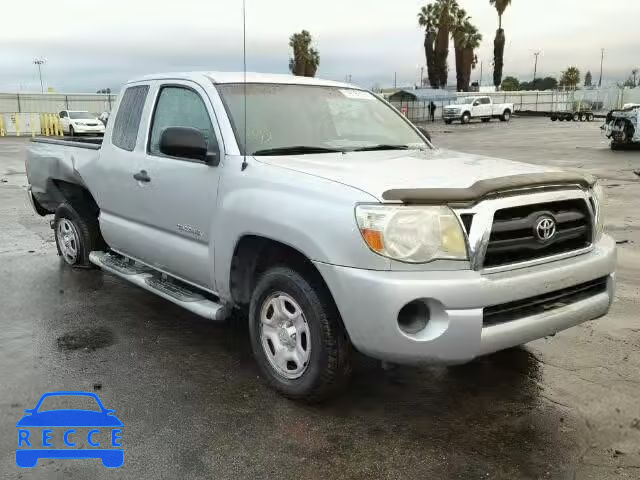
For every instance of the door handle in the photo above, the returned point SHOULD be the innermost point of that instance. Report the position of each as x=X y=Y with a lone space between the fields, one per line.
x=142 y=176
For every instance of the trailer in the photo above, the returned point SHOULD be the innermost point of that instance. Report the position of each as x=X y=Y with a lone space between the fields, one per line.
x=582 y=115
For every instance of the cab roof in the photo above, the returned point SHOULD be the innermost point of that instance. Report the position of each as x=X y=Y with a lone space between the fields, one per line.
x=238 y=77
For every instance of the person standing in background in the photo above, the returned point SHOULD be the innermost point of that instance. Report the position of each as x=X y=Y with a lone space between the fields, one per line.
x=432 y=111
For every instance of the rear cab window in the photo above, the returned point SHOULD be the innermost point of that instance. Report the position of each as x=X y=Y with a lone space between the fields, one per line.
x=127 y=123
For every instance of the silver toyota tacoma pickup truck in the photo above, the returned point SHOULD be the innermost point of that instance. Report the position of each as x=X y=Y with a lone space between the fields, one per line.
x=331 y=220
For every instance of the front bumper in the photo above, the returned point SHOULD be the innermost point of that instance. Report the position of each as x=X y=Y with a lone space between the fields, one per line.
x=369 y=302
x=89 y=129
x=453 y=115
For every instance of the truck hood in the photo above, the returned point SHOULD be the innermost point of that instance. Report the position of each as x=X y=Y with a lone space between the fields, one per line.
x=378 y=172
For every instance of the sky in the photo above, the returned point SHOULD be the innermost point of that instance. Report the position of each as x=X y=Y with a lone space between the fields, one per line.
x=89 y=46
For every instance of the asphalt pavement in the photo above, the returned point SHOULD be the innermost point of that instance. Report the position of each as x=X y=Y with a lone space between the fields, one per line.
x=193 y=405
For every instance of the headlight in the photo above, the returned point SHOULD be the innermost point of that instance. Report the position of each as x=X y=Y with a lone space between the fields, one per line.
x=597 y=194
x=412 y=234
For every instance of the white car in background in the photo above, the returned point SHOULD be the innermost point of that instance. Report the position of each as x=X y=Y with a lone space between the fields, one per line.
x=76 y=122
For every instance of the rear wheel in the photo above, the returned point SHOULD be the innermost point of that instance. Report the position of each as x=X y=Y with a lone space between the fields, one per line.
x=590 y=117
x=506 y=116
x=297 y=336
x=561 y=118
x=554 y=118
x=77 y=234
x=583 y=117
x=576 y=117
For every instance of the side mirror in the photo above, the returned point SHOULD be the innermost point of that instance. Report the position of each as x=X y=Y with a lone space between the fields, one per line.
x=424 y=132
x=476 y=103
x=186 y=142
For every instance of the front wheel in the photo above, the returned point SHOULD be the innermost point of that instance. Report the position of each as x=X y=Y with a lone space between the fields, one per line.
x=72 y=132
x=77 y=235
x=466 y=118
x=297 y=336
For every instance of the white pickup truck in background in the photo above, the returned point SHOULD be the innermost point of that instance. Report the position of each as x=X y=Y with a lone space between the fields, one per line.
x=477 y=107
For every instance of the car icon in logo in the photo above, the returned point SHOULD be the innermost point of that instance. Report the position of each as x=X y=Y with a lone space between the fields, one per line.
x=38 y=428
x=545 y=228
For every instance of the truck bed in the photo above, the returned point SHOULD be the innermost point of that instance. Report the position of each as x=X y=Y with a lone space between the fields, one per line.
x=52 y=164
x=93 y=143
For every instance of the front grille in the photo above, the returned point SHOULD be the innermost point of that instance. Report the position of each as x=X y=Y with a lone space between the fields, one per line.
x=514 y=238
x=507 y=312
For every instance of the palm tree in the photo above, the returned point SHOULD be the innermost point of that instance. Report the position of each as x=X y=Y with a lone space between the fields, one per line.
x=447 y=10
x=470 y=42
x=570 y=77
x=458 y=32
x=498 y=43
x=427 y=19
x=305 y=59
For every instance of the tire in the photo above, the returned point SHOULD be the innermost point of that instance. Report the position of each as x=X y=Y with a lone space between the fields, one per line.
x=485 y=120
x=448 y=122
x=576 y=117
x=325 y=366
x=506 y=116
x=561 y=118
x=466 y=118
x=77 y=234
x=590 y=117
x=554 y=118
x=72 y=132
x=615 y=145
x=583 y=117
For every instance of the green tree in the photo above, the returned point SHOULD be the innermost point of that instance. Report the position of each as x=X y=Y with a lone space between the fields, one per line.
x=588 y=79
x=470 y=43
x=510 y=84
x=305 y=59
x=427 y=19
x=499 y=42
x=460 y=24
x=570 y=77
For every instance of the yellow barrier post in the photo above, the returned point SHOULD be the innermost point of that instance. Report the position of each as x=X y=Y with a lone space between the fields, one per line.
x=2 y=130
x=17 y=119
x=47 y=122
x=58 y=125
x=33 y=125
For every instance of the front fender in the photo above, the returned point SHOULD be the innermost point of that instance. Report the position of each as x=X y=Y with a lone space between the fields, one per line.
x=312 y=215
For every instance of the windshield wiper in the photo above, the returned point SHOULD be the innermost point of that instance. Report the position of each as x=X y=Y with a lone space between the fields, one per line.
x=297 y=149
x=381 y=146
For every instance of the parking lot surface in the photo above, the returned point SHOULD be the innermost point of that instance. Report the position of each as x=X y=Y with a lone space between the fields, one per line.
x=193 y=405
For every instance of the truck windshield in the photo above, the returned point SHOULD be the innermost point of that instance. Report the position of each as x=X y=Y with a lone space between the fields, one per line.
x=80 y=115
x=294 y=119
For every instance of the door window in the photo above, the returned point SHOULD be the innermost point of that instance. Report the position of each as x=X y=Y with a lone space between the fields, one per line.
x=180 y=107
x=125 y=128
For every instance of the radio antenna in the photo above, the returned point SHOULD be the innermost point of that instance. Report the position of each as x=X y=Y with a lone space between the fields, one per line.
x=244 y=70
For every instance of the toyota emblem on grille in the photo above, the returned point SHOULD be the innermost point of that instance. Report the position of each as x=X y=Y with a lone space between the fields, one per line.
x=545 y=228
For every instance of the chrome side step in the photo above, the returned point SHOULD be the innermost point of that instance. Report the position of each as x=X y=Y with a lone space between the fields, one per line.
x=158 y=283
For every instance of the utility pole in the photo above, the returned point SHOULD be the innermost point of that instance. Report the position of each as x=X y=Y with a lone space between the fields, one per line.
x=421 y=77
x=395 y=80
x=480 y=82
x=535 y=68
x=39 y=62
x=601 y=61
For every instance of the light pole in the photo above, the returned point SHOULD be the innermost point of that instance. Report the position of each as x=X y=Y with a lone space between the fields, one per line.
x=601 y=62
x=39 y=62
x=535 y=68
